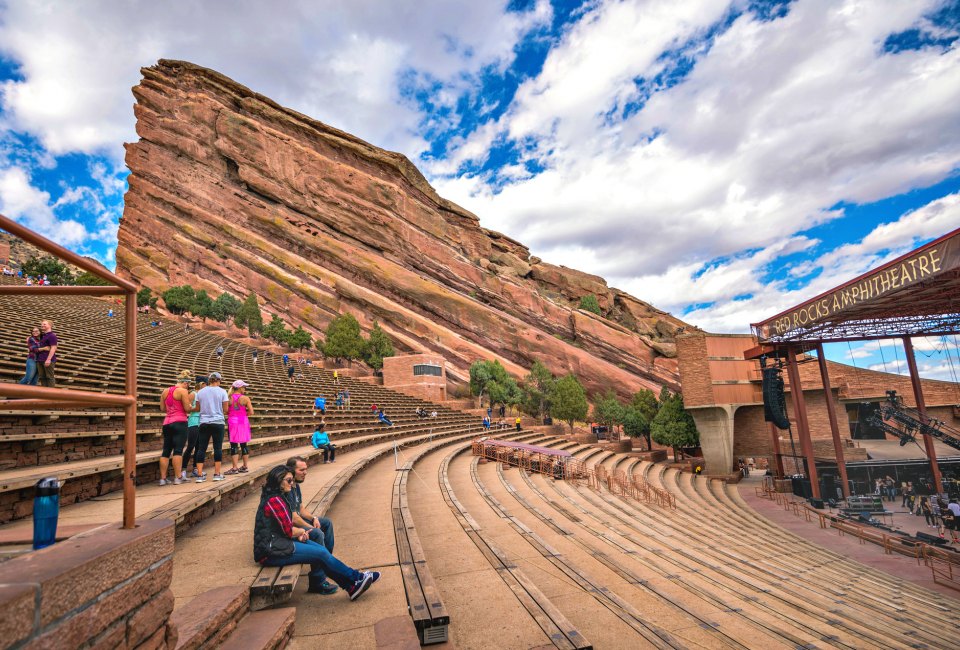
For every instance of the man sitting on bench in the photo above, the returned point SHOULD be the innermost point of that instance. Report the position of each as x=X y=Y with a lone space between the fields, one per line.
x=278 y=542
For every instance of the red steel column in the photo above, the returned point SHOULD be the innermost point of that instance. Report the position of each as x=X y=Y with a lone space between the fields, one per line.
x=922 y=410
x=832 y=415
x=803 y=427
x=130 y=415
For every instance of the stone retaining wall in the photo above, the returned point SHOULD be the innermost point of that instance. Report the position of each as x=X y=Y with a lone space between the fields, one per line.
x=105 y=588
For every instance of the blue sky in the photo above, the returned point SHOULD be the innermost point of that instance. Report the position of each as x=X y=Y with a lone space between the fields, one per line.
x=720 y=159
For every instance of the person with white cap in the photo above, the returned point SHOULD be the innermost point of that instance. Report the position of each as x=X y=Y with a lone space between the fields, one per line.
x=238 y=425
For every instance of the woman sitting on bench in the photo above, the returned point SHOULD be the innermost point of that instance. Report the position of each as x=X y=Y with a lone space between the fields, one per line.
x=277 y=542
x=321 y=441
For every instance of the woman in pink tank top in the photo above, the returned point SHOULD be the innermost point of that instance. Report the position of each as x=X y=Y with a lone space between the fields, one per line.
x=238 y=424
x=175 y=402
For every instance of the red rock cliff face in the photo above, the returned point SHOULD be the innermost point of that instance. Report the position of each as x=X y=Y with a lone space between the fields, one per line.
x=229 y=191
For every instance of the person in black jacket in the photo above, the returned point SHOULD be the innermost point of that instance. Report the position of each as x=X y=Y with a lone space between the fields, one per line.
x=277 y=542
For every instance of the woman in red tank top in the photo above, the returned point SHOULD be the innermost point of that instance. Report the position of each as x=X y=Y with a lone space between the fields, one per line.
x=175 y=402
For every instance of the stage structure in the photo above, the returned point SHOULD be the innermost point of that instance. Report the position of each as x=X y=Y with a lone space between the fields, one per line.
x=917 y=294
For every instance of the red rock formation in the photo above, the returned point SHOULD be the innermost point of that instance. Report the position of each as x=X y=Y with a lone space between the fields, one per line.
x=229 y=191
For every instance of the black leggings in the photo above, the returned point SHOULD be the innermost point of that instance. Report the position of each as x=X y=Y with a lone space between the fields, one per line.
x=174 y=435
x=192 y=433
x=242 y=446
x=209 y=431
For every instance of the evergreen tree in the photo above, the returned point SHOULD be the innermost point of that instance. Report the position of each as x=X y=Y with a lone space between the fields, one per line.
x=249 y=315
x=487 y=375
x=568 y=400
x=673 y=426
x=88 y=279
x=146 y=298
x=536 y=391
x=343 y=339
x=639 y=415
x=202 y=306
x=589 y=303
x=300 y=338
x=178 y=299
x=377 y=347
x=609 y=411
x=225 y=307
x=276 y=330
x=56 y=271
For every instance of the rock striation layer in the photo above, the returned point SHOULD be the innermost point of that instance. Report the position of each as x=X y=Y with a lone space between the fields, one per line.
x=230 y=191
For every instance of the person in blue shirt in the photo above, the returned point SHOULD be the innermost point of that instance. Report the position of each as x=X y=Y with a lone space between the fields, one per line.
x=286 y=359
x=382 y=416
x=320 y=405
x=321 y=441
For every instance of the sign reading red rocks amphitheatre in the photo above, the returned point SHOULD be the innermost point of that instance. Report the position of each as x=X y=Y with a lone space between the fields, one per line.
x=229 y=191
x=923 y=264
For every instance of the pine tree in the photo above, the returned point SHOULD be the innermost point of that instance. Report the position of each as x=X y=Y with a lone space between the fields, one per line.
x=202 y=306
x=249 y=315
x=343 y=340
x=673 y=426
x=300 y=338
x=276 y=330
x=377 y=347
x=568 y=400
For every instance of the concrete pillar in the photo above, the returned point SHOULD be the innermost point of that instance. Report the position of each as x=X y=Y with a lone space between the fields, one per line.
x=715 y=424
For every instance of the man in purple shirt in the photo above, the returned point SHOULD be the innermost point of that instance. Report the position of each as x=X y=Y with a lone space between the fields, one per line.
x=47 y=354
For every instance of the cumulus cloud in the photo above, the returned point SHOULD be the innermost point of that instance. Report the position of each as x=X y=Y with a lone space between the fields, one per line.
x=21 y=201
x=687 y=198
x=340 y=62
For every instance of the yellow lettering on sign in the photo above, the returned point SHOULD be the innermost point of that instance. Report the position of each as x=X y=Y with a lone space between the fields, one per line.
x=924 y=266
x=934 y=260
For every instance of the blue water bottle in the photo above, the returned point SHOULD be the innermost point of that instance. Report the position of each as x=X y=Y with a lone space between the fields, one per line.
x=46 y=509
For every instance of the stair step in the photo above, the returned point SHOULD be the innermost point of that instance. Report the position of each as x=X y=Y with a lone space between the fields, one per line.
x=268 y=629
x=207 y=619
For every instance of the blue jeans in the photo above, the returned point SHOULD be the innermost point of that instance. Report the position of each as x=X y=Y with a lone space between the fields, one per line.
x=321 y=563
x=32 y=374
x=323 y=536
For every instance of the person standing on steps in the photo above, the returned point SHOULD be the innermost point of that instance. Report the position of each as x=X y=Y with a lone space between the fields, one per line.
x=214 y=406
x=193 y=426
x=176 y=403
x=238 y=425
x=286 y=359
x=278 y=542
x=219 y=352
x=32 y=373
x=290 y=371
x=320 y=404
x=47 y=355
x=256 y=355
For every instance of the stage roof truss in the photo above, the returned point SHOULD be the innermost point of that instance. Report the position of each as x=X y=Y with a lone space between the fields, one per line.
x=917 y=294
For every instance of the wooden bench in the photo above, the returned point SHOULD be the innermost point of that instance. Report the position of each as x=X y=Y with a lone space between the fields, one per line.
x=429 y=615
x=275 y=585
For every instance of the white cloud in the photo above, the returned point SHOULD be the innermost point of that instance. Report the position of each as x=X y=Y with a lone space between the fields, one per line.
x=340 y=62
x=23 y=202
x=775 y=124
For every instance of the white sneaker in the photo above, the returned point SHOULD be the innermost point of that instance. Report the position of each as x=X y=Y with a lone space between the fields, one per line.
x=183 y=475
x=218 y=477
x=177 y=481
x=163 y=481
x=202 y=478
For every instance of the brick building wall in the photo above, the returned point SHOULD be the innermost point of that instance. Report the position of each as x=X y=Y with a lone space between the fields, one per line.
x=695 y=380
x=398 y=375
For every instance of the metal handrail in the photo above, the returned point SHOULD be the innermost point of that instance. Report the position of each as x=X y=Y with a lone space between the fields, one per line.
x=22 y=397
